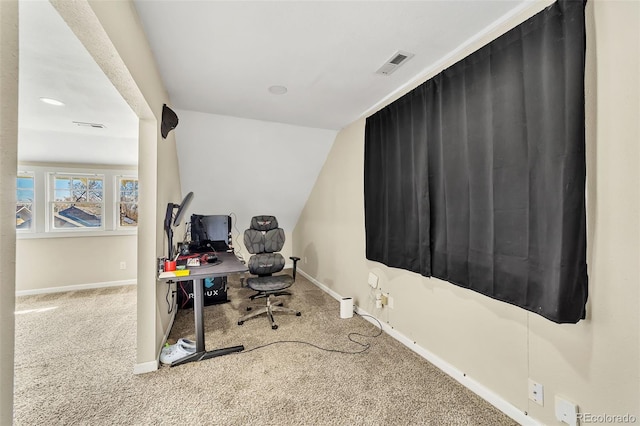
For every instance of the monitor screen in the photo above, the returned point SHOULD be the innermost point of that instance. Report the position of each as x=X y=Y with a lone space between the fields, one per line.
x=210 y=228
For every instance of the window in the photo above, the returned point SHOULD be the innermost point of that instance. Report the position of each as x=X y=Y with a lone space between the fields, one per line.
x=25 y=196
x=127 y=202
x=76 y=201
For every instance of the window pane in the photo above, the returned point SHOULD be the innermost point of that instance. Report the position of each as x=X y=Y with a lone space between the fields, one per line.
x=25 y=193
x=128 y=214
x=77 y=202
x=79 y=190
x=128 y=202
x=77 y=215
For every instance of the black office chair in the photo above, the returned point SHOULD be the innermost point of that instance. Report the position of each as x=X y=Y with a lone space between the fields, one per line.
x=263 y=240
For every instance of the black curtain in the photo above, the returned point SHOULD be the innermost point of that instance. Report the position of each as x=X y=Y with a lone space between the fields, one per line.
x=477 y=176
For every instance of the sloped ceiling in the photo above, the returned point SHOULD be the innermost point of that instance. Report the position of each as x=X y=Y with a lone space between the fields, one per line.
x=218 y=60
x=221 y=57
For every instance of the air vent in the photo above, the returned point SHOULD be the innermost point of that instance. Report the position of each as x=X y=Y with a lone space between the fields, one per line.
x=398 y=59
x=94 y=125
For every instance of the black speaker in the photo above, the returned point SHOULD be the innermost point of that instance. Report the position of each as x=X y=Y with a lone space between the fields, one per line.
x=169 y=121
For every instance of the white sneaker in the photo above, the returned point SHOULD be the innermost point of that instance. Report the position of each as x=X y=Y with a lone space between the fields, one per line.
x=173 y=353
x=187 y=343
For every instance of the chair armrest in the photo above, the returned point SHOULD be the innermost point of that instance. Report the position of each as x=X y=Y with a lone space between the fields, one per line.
x=295 y=262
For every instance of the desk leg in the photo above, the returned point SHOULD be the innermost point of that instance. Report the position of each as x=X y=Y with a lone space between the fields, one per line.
x=198 y=312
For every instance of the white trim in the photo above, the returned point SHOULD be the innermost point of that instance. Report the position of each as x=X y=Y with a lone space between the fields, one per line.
x=75 y=234
x=74 y=287
x=471 y=384
x=145 y=367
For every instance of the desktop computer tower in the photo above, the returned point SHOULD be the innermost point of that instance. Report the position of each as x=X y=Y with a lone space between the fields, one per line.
x=215 y=292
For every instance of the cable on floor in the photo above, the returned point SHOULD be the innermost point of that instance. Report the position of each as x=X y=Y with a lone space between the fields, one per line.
x=365 y=346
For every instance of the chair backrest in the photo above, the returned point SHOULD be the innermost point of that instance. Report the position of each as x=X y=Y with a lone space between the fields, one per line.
x=263 y=240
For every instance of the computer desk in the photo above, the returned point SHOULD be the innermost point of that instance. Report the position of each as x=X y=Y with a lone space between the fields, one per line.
x=229 y=264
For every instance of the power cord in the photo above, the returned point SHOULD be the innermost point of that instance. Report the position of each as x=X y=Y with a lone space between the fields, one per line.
x=236 y=238
x=170 y=305
x=365 y=346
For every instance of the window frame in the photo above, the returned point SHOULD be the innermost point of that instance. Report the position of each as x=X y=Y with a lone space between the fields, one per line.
x=27 y=174
x=52 y=202
x=42 y=226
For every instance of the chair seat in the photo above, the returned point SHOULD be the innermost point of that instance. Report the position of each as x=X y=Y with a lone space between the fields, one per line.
x=270 y=283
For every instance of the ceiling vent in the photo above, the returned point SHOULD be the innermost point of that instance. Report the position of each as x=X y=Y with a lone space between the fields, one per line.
x=398 y=59
x=94 y=125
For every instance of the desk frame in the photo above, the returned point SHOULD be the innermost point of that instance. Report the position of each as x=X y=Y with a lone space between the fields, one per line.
x=229 y=265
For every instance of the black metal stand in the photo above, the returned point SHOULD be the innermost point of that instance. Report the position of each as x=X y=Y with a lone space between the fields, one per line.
x=229 y=264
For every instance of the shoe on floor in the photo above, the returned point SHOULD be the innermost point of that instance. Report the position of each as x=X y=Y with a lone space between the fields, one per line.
x=187 y=343
x=173 y=353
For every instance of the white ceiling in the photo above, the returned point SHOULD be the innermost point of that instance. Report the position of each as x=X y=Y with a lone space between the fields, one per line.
x=54 y=64
x=221 y=57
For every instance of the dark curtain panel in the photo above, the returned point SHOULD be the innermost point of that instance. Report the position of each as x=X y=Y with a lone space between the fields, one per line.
x=477 y=176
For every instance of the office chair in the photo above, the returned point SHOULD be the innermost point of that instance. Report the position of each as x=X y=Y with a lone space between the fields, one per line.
x=263 y=240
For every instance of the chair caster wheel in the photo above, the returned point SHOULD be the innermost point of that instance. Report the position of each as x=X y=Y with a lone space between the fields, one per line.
x=298 y=314
x=249 y=308
x=274 y=327
x=240 y=322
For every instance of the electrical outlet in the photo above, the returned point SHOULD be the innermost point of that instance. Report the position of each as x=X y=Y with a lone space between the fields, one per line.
x=536 y=392
x=384 y=298
x=123 y=265
x=378 y=300
x=566 y=411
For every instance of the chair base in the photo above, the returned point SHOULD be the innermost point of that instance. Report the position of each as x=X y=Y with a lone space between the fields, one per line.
x=269 y=310
x=261 y=294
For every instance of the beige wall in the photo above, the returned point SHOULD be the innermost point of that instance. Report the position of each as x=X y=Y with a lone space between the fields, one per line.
x=595 y=363
x=8 y=165
x=50 y=263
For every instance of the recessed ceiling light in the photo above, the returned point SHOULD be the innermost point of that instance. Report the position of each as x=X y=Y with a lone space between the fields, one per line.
x=278 y=90
x=52 y=101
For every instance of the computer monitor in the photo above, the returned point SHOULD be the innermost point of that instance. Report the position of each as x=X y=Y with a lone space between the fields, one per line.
x=215 y=229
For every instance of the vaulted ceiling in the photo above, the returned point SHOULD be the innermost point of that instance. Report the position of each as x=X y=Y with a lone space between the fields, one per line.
x=222 y=57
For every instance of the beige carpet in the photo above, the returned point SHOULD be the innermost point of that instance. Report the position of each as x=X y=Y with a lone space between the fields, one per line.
x=75 y=354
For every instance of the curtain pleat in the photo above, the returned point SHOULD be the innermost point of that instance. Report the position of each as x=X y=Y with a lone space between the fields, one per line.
x=477 y=176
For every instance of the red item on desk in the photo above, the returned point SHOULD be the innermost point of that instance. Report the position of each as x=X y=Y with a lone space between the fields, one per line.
x=169 y=265
x=203 y=257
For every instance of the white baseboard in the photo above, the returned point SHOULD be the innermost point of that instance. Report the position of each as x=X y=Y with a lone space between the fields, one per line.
x=471 y=384
x=145 y=367
x=74 y=287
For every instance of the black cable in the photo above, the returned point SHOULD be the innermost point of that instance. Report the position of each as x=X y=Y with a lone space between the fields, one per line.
x=236 y=239
x=365 y=346
x=166 y=297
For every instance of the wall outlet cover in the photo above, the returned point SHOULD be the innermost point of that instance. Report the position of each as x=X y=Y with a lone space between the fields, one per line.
x=566 y=411
x=536 y=392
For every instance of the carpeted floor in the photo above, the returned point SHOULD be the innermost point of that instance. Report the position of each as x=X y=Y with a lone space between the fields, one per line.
x=75 y=354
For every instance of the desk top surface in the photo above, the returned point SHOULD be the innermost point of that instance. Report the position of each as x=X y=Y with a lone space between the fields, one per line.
x=229 y=264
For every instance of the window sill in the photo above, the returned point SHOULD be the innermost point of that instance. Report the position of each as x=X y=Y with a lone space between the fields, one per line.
x=74 y=234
